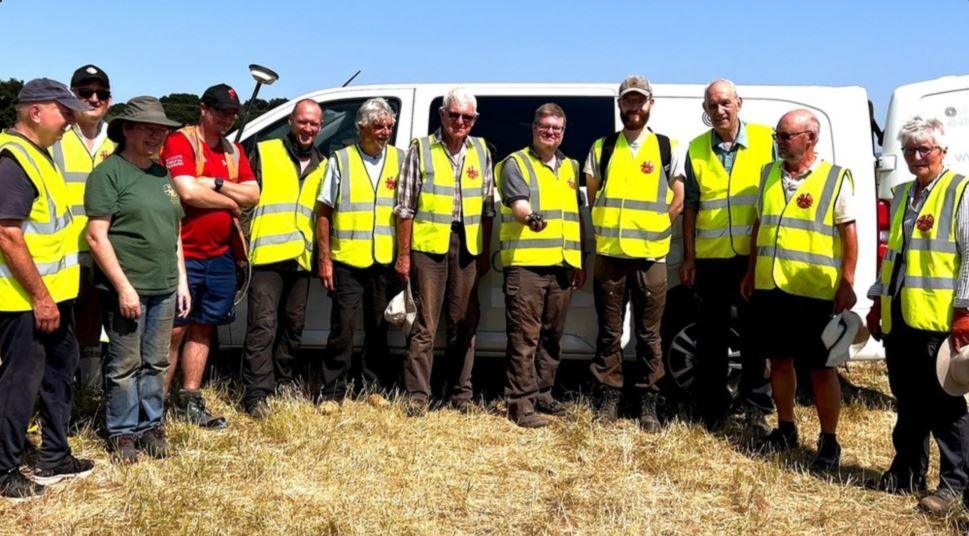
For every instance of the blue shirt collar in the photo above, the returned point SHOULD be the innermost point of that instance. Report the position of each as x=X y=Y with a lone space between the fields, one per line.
x=740 y=141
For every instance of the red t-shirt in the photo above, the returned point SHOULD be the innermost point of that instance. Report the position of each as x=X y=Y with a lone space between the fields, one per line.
x=205 y=231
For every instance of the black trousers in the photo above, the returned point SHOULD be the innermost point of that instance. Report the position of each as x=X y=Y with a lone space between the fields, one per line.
x=924 y=407
x=358 y=290
x=32 y=365
x=274 y=331
x=718 y=285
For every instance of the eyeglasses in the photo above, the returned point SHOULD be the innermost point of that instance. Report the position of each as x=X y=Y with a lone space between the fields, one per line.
x=455 y=116
x=550 y=128
x=151 y=130
x=788 y=136
x=922 y=151
x=86 y=92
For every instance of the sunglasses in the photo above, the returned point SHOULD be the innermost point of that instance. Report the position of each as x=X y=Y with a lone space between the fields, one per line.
x=86 y=92
x=454 y=116
x=788 y=136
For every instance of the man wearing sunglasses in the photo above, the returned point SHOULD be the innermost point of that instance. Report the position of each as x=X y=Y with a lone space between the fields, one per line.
x=801 y=270
x=445 y=208
x=82 y=148
x=722 y=181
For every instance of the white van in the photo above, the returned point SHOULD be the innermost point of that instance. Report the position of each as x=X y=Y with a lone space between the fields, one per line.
x=506 y=112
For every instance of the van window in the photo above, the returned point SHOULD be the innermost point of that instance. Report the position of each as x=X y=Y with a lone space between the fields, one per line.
x=339 y=125
x=506 y=122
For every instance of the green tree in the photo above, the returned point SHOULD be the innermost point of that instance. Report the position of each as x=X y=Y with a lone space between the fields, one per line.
x=181 y=107
x=8 y=97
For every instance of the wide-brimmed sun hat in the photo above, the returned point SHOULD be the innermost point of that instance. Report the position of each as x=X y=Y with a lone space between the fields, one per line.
x=139 y=110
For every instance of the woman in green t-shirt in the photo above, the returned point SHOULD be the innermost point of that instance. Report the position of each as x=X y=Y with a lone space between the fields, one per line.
x=133 y=229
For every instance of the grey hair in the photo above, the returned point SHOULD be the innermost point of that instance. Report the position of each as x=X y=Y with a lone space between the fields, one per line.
x=459 y=96
x=729 y=83
x=373 y=109
x=918 y=128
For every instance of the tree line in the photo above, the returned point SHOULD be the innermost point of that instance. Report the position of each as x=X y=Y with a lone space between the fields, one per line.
x=181 y=107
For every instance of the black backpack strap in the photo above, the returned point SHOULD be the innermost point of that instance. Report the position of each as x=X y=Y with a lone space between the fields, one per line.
x=665 y=154
x=608 y=146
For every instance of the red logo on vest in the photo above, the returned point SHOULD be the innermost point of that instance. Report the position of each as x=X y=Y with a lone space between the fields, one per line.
x=104 y=154
x=647 y=167
x=805 y=200
x=390 y=183
x=472 y=173
x=925 y=223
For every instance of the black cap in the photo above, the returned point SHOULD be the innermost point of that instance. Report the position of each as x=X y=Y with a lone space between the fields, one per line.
x=47 y=90
x=221 y=97
x=89 y=73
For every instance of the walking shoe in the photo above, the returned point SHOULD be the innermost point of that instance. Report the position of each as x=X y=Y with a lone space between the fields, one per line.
x=530 y=420
x=15 y=487
x=123 y=448
x=191 y=408
x=891 y=482
x=648 y=420
x=258 y=409
x=941 y=503
x=607 y=404
x=68 y=468
x=755 y=422
x=828 y=457
x=550 y=406
x=153 y=442
x=779 y=441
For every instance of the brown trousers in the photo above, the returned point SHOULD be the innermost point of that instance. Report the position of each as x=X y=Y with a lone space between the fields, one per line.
x=448 y=282
x=644 y=284
x=536 y=302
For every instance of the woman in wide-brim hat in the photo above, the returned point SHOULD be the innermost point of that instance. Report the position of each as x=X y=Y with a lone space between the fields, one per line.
x=134 y=231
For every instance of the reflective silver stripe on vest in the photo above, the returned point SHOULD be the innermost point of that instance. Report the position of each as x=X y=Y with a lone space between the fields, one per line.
x=275 y=208
x=826 y=195
x=74 y=176
x=634 y=205
x=383 y=230
x=473 y=219
x=343 y=166
x=791 y=255
x=539 y=243
x=931 y=244
x=78 y=210
x=632 y=233
x=737 y=200
x=929 y=283
x=272 y=240
x=355 y=207
x=385 y=201
x=357 y=234
x=46 y=268
x=305 y=211
x=948 y=208
x=737 y=230
x=793 y=223
x=471 y=192
x=433 y=217
x=435 y=189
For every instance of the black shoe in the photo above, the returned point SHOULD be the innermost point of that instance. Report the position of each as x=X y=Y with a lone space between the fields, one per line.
x=648 y=420
x=607 y=404
x=779 y=441
x=258 y=409
x=69 y=467
x=154 y=442
x=891 y=482
x=15 y=487
x=550 y=407
x=123 y=448
x=191 y=408
x=828 y=457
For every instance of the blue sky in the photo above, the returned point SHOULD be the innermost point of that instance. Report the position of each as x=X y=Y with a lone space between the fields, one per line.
x=157 y=48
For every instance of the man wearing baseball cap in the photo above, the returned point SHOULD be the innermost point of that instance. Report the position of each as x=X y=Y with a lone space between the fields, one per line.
x=38 y=283
x=82 y=148
x=635 y=188
x=215 y=182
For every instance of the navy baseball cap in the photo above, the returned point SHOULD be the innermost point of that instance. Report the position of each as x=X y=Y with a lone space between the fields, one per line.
x=47 y=90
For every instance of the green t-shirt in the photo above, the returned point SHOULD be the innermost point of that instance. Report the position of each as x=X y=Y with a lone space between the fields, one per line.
x=145 y=213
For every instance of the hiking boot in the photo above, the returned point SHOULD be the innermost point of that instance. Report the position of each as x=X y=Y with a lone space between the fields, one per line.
x=648 y=420
x=15 y=487
x=153 y=442
x=530 y=420
x=779 y=441
x=550 y=407
x=755 y=422
x=191 y=408
x=123 y=448
x=258 y=409
x=941 y=503
x=891 y=482
x=68 y=468
x=828 y=457
x=607 y=404
x=463 y=406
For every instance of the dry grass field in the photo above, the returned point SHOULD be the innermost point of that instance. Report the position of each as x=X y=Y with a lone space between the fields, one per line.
x=369 y=469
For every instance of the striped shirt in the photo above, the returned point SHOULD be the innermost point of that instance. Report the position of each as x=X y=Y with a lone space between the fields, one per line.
x=912 y=209
x=409 y=185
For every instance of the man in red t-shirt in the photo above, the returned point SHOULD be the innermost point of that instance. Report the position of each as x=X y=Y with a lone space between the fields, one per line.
x=215 y=182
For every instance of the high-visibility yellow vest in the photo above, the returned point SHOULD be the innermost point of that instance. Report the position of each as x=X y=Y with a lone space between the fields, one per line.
x=283 y=223
x=554 y=196
x=432 y=221
x=630 y=216
x=195 y=139
x=798 y=244
x=48 y=231
x=727 y=214
x=931 y=261
x=363 y=219
x=75 y=164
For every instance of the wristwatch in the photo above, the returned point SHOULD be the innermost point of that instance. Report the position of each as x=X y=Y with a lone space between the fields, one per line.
x=218 y=184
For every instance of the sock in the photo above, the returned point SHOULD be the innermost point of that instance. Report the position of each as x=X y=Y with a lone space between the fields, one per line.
x=787 y=428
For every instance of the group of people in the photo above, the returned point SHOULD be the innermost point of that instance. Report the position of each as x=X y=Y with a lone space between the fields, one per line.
x=142 y=227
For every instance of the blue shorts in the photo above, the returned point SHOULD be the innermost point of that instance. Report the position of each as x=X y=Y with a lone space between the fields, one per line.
x=212 y=283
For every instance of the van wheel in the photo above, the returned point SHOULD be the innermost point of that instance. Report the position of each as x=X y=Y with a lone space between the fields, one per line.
x=680 y=358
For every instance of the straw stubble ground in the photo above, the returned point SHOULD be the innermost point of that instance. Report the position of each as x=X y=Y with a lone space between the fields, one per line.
x=369 y=469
